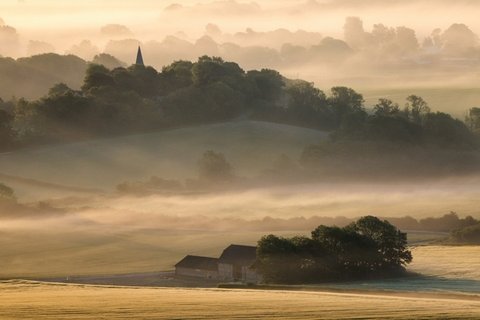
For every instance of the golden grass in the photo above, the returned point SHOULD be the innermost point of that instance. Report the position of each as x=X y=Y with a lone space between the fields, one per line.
x=34 y=300
x=452 y=262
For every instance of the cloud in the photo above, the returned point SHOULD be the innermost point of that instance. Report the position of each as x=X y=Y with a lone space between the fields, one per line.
x=35 y=47
x=224 y=7
x=85 y=50
x=116 y=31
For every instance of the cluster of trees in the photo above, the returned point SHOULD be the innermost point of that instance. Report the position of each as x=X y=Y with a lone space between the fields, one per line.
x=214 y=172
x=415 y=124
x=367 y=248
x=6 y=192
x=467 y=235
x=445 y=223
x=390 y=140
x=138 y=98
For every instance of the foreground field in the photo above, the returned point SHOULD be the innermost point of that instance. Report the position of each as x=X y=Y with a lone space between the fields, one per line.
x=32 y=300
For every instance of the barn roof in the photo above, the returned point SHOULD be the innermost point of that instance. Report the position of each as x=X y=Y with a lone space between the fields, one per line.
x=197 y=262
x=239 y=255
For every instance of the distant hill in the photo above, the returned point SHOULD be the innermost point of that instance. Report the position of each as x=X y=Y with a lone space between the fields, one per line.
x=251 y=146
x=32 y=77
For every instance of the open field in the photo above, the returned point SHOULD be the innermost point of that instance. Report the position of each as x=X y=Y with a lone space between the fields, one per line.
x=96 y=250
x=33 y=300
x=444 y=269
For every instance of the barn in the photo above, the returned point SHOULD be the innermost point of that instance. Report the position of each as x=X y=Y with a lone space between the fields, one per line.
x=237 y=264
x=197 y=267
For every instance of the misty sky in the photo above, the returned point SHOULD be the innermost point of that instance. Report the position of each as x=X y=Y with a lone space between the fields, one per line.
x=58 y=21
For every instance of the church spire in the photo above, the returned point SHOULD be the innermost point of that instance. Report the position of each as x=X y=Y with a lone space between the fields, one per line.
x=139 y=57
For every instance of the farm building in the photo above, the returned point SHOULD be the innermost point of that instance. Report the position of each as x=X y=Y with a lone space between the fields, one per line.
x=236 y=264
x=197 y=267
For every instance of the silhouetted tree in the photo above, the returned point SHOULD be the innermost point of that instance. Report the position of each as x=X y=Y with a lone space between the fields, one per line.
x=416 y=108
x=386 y=107
x=214 y=167
x=391 y=243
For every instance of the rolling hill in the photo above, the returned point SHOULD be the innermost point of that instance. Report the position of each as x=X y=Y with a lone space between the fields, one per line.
x=251 y=146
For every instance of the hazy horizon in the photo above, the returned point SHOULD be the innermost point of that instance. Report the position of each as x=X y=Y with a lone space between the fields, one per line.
x=263 y=159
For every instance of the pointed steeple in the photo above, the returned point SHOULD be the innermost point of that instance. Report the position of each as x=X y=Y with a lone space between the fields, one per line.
x=139 y=57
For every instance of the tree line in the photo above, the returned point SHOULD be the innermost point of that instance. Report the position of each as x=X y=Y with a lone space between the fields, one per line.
x=139 y=99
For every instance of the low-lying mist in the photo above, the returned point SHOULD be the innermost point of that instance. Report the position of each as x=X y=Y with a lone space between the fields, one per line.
x=105 y=234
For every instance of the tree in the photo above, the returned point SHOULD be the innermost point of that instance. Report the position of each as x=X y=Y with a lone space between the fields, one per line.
x=176 y=76
x=391 y=243
x=63 y=106
x=344 y=101
x=97 y=76
x=473 y=119
x=442 y=130
x=6 y=192
x=7 y=134
x=275 y=261
x=416 y=108
x=308 y=105
x=386 y=107
x=392 y=129
x=269 y=83
x=208 y=70
x=469 y=235
x=214 y=167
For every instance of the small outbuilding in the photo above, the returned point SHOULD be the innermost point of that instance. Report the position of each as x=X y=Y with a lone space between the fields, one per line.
x=197 y=267
x=237 y=264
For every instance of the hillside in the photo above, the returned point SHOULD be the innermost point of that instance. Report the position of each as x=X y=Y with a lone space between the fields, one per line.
x=32 y=77
x=250 y=146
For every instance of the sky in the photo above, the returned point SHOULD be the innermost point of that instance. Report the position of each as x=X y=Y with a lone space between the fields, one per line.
x=61 y=20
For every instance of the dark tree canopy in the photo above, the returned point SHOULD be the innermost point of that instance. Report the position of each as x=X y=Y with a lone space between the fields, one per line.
x=368 y=248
